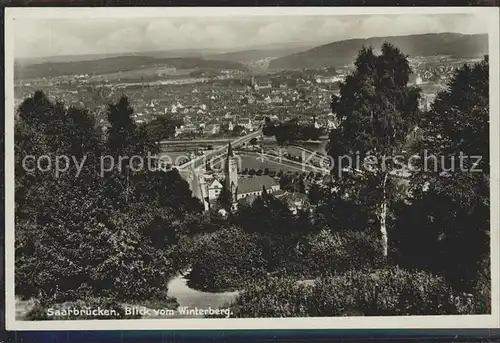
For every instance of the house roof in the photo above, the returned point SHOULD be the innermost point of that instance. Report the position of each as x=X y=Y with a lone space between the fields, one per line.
x=216 y=184
x=280 y=193
x=295 y=198
x=255 y=183
x=211 y=126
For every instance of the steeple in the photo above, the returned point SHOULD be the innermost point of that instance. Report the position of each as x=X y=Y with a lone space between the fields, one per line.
x=231 y=174
x=228 y=157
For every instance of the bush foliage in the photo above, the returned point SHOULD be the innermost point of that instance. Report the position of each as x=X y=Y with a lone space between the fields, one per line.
x=387 y=292
x=226 y=259
x=273 y=297
x=333 y=253
x=384 y=292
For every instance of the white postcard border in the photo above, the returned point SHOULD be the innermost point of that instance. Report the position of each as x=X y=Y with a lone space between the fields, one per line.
x=414 y=322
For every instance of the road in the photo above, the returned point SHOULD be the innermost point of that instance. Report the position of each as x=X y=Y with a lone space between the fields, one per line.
x=198 y=141
x=201 y=160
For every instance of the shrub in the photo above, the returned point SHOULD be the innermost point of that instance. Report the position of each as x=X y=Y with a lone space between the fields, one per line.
x=341 y=251
x=282 y=254
x=183 y=254
x=225 y=260
x=386 y=292
x=272 y=297
x=481 y=297
x=55 y=265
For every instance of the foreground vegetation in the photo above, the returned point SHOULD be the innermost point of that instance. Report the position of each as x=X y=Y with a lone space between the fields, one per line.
x=374 y=245
x=385 y=292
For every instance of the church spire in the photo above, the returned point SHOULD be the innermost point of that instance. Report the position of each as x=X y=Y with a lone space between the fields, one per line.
x=231 y=174
x=227 y=163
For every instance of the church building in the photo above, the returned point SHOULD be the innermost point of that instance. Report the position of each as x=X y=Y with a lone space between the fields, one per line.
x=260 y=86
x=208 y=187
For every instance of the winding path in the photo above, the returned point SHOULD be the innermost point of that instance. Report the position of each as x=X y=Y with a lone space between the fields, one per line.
x=191 y=298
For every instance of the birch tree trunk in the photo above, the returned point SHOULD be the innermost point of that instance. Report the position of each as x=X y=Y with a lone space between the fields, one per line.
x=383 y=216
x=126 y=184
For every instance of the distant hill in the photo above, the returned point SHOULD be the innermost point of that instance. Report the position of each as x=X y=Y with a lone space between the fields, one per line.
x=254 y=55
x=116 y=64
x=92 y=57
x=344 y=52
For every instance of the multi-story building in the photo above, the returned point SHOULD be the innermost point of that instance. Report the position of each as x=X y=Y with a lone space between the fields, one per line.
x=246 y=123
x=211 y=129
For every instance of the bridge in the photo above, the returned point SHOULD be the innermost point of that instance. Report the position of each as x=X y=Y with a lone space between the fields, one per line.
x=200 y=161
x=195 y=143
x=309 y=155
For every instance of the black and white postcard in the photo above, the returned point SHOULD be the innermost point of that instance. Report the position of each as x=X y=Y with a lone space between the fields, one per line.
x=252 y=168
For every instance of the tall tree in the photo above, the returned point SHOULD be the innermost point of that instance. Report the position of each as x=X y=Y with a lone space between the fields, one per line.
x=72 y=240
x=451 y=188
x=127 y=144
x=162 y=128
x=124 y=136
x=377 y=109
x=225 y=199
x=315 y=194
x=267 y=215
x=274 y=224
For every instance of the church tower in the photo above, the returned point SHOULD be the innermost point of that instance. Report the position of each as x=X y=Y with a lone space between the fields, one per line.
x=231 y=174
x=254 y=86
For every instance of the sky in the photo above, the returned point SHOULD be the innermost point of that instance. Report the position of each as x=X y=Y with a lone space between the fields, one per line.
x=54 y=37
